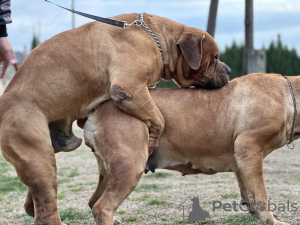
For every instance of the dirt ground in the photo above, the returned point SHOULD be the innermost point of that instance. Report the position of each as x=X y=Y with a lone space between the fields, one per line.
x=158 y=197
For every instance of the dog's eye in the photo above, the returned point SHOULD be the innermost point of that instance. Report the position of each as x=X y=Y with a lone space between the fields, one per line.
x=216 y=56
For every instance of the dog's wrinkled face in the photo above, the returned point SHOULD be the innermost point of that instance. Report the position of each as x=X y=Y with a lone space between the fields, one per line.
x=201 y=66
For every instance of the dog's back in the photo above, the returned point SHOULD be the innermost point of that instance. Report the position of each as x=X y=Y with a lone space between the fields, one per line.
x=226 y=130
x=203 y=124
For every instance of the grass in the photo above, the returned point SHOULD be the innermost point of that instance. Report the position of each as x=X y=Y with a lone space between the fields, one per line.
x=131 y=219
x=218 y=182
x=73 y=174
x=9 y=183
x=149 y=187
x=143 y=198
x=207 y=203
x=296 y=179
x=4 y=166
x=158 y=175
x=70 y=214
x=62 y=181
x=157 y=202
x=28 y=221
x=242 y=220
x=61 y=196
x=231 y=195
x=77 y=189
x=174 y=189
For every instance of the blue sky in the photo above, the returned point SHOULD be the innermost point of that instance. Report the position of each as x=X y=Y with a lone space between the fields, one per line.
x=271 y=17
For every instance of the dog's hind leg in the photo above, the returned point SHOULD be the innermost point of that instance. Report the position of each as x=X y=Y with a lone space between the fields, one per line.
x=249 y=158
x=124 y=156
x=123 y=177
x=29 y=205
x=26 y=144
x=102 y=183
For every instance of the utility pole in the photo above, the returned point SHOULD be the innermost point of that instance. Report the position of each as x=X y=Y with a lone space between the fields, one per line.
x=212 y=17
x=248 y=51
x=73 y=15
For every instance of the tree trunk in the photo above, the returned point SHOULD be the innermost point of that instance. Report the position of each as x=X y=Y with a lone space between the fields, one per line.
x=248 y=51
x=212 y=18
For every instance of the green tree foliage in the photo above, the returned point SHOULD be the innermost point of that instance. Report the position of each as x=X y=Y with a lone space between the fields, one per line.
x=280 y=59
x=35 y=41
x=233 y=57
x=166 y=84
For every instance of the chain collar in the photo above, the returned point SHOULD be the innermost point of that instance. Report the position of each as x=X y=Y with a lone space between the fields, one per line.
x=290 y=144
x=142 y=23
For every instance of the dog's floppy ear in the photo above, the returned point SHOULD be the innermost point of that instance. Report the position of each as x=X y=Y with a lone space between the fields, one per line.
x=191 y=46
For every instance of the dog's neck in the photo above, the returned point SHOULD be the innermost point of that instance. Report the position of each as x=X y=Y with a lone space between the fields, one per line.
x=295 y=83
x=162 y=28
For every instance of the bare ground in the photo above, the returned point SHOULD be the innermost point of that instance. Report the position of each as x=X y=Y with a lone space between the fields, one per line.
x=158 y=196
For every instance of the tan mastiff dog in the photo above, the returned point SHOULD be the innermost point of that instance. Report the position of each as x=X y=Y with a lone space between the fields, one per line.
x=67 y=76
x=231 y=129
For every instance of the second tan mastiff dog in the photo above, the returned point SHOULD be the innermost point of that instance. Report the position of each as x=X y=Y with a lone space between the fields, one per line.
x=67 y=76
x=231 y=129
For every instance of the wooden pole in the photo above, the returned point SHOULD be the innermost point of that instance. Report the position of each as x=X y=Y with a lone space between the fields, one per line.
x=212 y=17
x=248 y=34
x=73 y=15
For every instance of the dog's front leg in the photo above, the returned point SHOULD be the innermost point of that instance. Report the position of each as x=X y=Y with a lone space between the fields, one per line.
x=243 y=190
x=137 y=101
x=249 y=159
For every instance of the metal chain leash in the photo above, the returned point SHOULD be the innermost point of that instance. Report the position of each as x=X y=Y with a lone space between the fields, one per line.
x=142 y=23
x=290 y=144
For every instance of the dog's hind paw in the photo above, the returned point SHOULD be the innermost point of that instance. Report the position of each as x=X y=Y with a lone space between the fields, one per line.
x=119 y=94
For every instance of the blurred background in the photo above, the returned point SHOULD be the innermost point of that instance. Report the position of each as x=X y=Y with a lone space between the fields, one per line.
x=270 y=29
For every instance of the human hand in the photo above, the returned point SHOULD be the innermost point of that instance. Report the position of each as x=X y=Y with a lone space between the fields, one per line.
x=7 y=56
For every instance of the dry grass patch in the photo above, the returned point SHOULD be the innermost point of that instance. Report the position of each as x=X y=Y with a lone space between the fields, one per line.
x=78 y=177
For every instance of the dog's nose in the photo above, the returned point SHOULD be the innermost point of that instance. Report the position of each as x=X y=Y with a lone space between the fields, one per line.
x=227 y=69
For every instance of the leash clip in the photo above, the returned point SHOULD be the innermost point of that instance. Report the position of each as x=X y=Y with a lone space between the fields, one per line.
x=136 y=23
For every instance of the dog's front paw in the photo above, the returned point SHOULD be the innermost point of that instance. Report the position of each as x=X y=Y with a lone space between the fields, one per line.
x=117 y=220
